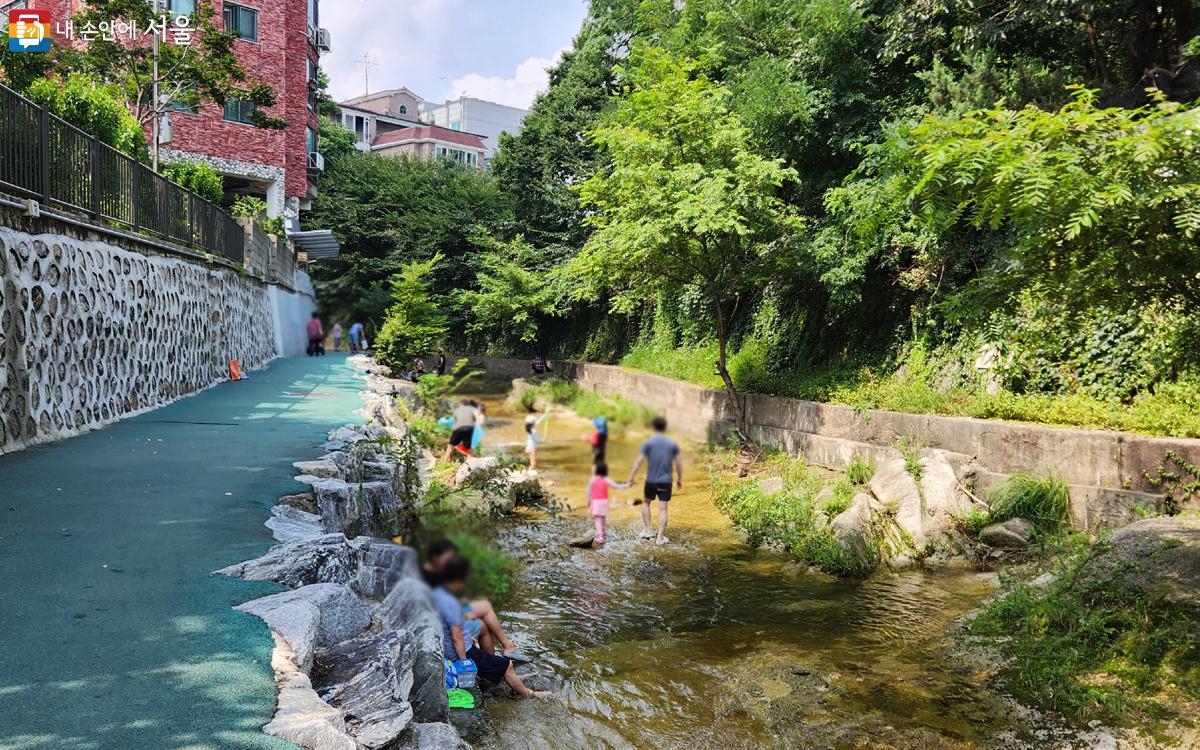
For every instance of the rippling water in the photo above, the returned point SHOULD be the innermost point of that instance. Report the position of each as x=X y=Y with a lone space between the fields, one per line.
x=707 y=644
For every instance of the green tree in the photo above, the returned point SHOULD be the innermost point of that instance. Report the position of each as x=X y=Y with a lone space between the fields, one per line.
x=336 y=141
x=686 y=203
x=514 y=298
x=415 y=324
x=198 y=176
x=388 y=211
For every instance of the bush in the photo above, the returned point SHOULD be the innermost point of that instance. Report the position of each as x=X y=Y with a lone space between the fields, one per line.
x=861 y=470
x=415 y=324
x=788 y=520
x=94 y=108
x=199 y=177
x=587 y=403
x=1041 y=500
x=492 y=569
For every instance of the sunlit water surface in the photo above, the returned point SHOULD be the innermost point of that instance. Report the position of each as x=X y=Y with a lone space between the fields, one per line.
x=705 y=643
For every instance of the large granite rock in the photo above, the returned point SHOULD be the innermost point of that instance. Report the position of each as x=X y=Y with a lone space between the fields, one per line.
x=409 y=606
x=1158 y=558
x=368 y=679
x=322 y=468
x=288 y=524
x=354 y=509
x=923 y=508
x=311 y=617
x=370 y=566
x=329 y=558
x=853 y=532
x=301 y=717
x=897 y=490
x=1011 y=534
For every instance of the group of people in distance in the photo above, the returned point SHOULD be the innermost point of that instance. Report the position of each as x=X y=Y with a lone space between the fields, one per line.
x=315 y=332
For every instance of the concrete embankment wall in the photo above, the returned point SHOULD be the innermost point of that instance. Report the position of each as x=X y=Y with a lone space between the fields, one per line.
x=1107 y=472
x=94 y=328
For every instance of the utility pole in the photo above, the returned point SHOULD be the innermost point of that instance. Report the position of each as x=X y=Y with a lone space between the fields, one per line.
x=366 y=62
x=154 y=103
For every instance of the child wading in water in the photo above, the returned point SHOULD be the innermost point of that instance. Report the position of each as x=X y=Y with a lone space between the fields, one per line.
x=598 y=503
x=598 y=440
x=532 y=440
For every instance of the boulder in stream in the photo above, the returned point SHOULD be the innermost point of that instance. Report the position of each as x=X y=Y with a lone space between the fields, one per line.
x=852 y=531
x=1157 y=558
x=433 y=736
x=1014 y=533
x=409 y=606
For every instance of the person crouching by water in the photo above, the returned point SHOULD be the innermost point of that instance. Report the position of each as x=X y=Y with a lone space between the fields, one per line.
x=532 y=440
x=479 y=611
x=598 y=502
x=463 y=429
x=460 y=635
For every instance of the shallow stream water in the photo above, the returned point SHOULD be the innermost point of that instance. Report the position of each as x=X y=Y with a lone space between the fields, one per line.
x=705 y=643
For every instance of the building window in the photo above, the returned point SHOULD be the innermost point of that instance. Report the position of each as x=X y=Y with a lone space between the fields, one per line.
x=182 y=7
x=313 y=84
x=403 y=109
x=310 y=140
x=312 y=13
x=243 y=20
x=240 y=110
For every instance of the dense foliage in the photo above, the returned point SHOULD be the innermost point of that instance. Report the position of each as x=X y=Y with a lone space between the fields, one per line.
x=93 y=108
x=198 y=176
x=955 y=207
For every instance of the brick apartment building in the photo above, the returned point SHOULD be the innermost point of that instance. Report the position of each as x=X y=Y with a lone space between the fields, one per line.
x=389 y=123
x=279 y=44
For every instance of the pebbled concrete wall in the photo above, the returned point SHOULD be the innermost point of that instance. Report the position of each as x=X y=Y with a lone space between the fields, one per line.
x=1107 y=471
x=92 y=331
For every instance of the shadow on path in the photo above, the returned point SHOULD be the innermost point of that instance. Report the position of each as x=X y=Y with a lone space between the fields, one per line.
x=114 y=633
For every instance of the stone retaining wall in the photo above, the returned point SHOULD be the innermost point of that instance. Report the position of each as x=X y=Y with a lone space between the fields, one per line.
x=1106 y=470
x=92 y=331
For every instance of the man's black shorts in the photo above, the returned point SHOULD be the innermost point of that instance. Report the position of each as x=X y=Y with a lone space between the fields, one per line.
x=490 y=666
x=462 y=436
x=659 y=490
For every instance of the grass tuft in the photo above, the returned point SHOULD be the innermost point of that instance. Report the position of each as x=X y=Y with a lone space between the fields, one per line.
x=1041 y=500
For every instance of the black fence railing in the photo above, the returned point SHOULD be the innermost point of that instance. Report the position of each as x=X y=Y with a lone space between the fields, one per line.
x=44 y=157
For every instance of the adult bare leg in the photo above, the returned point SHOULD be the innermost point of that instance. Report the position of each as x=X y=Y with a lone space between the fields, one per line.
x=483 y=611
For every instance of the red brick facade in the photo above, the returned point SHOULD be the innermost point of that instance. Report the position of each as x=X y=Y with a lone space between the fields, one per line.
x=279 y=58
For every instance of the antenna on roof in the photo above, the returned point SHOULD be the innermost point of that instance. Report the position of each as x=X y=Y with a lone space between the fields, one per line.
x=366 y=62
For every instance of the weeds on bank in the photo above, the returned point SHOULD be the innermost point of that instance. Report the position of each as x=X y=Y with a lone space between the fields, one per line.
x=1040 y=499
x=792 y=519
x=586 y=403
x=1092 y=651
x=1169 y=410
x=861 y=470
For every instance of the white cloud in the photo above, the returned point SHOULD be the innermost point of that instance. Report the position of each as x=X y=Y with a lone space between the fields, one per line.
x=518 y=90
x=400 y=37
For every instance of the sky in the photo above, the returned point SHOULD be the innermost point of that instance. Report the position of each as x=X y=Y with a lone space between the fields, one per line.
x=440 y=49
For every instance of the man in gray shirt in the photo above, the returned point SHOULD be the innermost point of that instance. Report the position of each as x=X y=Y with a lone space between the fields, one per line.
x=661 y=456
x=464 y=428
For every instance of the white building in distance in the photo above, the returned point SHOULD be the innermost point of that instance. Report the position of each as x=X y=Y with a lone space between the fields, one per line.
x=472 y=115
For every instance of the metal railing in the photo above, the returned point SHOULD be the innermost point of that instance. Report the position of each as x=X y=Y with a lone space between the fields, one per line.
x=46 y=158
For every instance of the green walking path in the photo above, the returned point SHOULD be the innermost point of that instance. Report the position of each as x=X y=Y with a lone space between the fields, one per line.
x=112 y=632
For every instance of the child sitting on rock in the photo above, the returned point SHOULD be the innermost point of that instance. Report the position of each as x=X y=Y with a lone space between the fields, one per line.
x=598 y=502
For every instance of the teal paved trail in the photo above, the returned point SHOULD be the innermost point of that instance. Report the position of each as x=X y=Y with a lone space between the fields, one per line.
x=112 y=632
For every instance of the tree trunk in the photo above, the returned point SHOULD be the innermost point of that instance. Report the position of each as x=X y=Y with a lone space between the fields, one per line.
x=739 y=414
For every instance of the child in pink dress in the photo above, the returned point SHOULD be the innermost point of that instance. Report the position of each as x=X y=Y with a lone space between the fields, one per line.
x=598 y=502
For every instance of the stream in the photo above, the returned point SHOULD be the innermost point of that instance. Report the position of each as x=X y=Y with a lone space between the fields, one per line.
x=705 y=643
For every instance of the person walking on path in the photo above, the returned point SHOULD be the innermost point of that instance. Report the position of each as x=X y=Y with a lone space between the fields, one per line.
x=457 y=642
x=316 y=335
x=441 y=362
x=598 y=501
x=356 y=334
x=662 y=458
x=337 y=336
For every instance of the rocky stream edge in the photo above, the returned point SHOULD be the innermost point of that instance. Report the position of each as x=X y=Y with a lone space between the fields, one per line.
x=358 y=645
